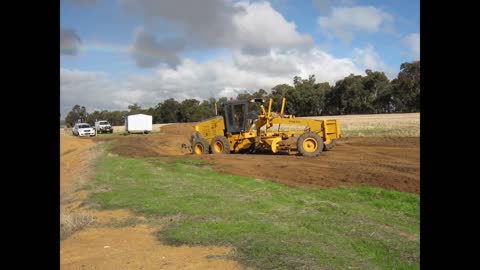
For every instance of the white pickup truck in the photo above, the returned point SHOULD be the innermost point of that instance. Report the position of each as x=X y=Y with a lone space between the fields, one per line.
x=103 y=127
x=83 y=129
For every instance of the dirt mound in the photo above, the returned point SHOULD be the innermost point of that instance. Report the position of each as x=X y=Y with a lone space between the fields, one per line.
x=166 y=143
x=387 y=162
x=391 y=163
x=183 y=129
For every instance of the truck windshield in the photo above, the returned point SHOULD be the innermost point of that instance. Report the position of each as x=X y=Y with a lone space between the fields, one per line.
x=83 y=126
x=103 y=123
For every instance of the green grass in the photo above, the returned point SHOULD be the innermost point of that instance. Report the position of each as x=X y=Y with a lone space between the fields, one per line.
x=270 y=225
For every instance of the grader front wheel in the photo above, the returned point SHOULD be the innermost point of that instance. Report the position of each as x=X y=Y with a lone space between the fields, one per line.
x=310 y=144
x=200 y=146
x=220 y=145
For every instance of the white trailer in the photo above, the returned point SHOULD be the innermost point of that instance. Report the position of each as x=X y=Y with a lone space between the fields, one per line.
x=140 y=123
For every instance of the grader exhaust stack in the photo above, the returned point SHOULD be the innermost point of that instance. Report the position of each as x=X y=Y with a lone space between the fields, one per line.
x=237 y=131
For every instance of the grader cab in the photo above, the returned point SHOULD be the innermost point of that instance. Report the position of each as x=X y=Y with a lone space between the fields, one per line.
x=239 y=130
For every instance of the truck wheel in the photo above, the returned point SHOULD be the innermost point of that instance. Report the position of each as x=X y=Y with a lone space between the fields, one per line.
x=200 y=146
x=328 y=147
x=220 y=145
x=310 y=144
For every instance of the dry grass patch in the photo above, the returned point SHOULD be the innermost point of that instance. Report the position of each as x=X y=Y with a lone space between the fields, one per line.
x=71 y=222
x=395 y=124
x=76 y=168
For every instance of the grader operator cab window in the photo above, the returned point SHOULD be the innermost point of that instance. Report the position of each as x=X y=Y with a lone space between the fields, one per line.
x=236 y=116
x=239 y=111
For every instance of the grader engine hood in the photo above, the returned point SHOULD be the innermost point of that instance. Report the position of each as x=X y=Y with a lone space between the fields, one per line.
x=211 y=127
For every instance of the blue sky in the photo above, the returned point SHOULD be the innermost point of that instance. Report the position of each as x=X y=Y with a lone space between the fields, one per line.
x=119 y=52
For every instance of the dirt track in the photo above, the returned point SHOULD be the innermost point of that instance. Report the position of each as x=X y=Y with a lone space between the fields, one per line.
x=387 y=162
x=136 y=248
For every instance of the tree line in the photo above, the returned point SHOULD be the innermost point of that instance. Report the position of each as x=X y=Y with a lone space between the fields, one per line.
x=355 y=94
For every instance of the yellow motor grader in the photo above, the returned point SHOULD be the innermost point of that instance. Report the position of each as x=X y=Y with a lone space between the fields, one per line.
x=240 y=131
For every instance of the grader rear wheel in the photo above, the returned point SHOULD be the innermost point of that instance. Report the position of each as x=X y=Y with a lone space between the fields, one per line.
x=310 y=144
x=220 y=145
x=200 y=146
x=328 y=147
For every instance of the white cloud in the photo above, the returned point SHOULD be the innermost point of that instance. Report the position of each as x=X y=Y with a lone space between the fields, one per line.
x=344 y=22
x=271 y=64
x=413 y=43
x=204 y=23
x=368 y=58
x=221 y=76
x=253 y=27
x=325 y=6
x=149 y=52
x=262 y=27
x=95 y=91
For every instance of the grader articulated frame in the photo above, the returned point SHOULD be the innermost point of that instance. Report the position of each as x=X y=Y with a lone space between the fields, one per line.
x=240 y=131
